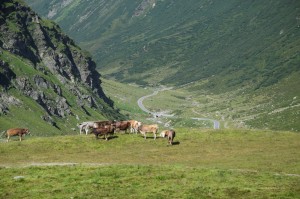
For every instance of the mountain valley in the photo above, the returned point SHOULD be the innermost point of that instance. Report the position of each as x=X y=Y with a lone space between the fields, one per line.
x=235 y=62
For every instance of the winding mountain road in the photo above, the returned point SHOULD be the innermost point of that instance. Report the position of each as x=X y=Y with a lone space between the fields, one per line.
x=140 y=104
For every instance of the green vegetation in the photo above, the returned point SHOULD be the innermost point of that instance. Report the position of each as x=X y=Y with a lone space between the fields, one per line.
x=125 y=97
x=276 y=107
x=179 y=42
x=236 y=62
x=201 y=164
x=238 y=69
x=49 y=85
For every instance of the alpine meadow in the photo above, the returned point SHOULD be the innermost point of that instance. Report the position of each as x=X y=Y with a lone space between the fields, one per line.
x=149 y=99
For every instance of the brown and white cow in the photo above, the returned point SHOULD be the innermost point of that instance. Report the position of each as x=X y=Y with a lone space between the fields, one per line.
x=16 y=131
x=122 y=125
x=170 y=134
x=153 y=128
x=105 y=130
x=134 y=125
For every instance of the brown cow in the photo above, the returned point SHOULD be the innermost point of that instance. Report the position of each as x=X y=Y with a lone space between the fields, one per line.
x=170 y=134
x=102 y=123
x=17 y=131
x=134 y=125
x=153 y=128
x=122 y=125
x=104 y=130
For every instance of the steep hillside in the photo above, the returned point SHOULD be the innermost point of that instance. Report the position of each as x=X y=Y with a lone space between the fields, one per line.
x=235 y=61
x=46 y=81
x=177 y=42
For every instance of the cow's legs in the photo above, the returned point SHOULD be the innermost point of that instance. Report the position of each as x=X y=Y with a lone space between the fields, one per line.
x=20 y=137
x=7 y=138
x=86 y=129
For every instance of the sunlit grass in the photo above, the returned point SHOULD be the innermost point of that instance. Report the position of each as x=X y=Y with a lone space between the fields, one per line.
x=139 y=181
x=201 y=164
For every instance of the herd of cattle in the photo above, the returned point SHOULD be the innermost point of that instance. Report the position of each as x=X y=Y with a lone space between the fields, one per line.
x=107 y=128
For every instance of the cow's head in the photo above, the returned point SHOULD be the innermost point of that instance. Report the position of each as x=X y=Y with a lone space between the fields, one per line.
x=113 y=127
x=27 y=131
x=138 y=125
x=163 y=134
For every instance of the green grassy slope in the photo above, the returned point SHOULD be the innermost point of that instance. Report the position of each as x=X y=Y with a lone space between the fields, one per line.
x=202 y=164
x=240 y=60
x=276 y=107
x=241 y=42
x=47 y=83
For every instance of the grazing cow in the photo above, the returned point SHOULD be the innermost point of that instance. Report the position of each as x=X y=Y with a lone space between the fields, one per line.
x=102 y=123
x=170 y=134
x=104 y=130
x=134 y=125
x=86 y=126
x=122 y=125
x=153 y=128
x=16 y=131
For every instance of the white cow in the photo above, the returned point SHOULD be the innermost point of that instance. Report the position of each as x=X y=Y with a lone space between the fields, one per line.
x=86 y=126
x=134 y=125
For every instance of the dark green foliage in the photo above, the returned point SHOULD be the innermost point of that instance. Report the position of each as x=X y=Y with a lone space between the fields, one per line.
x=251 y=46
x=197 y=38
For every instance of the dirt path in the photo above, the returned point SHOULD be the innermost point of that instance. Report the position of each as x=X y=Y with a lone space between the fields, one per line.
x=49 y=164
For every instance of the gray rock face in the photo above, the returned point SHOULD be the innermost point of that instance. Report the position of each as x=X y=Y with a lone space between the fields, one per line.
x=7 y=100
x=39 y=41
x=6 y=74
x=58 y=106
x=41 y=82
x=50 y=52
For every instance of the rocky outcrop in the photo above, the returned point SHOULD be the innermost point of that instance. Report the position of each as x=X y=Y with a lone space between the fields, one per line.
x=6 y=74
x=25 y=34
x=6 y=101
x=144 y=6
x=58 y=106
